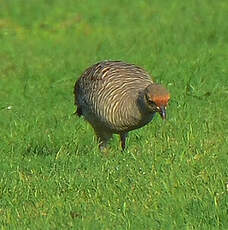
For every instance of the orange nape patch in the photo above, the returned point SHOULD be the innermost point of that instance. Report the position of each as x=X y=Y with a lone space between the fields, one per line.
x=161 y=100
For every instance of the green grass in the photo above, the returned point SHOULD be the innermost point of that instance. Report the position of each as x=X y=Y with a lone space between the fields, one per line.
x=173 y=174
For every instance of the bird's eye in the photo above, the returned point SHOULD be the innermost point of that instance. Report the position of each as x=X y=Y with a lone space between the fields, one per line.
x=151 y=102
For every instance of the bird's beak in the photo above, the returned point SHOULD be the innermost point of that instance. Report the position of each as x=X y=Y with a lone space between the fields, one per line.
x=162 y=112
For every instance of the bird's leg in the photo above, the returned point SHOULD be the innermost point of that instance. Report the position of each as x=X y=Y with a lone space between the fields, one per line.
x=103 y=139
x=123 y=137
x=102 y=144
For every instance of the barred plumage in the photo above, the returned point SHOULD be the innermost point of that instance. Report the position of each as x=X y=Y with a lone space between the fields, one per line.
x=117 y=97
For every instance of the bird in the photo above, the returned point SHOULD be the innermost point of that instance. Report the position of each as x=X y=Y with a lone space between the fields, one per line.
x=116 y=97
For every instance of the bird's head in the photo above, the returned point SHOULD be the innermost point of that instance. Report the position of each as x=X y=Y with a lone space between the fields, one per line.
x=157 y=98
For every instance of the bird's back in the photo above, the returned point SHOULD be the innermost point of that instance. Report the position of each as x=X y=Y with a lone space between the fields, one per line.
x=106 y=94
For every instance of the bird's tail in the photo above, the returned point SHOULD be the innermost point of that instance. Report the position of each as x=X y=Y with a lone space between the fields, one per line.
x=78 y=112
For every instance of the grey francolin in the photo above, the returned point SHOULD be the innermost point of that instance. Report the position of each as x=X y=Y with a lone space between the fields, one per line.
x=116 y=97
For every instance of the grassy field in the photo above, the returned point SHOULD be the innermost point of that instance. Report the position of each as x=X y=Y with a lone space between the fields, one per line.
x=173 y=174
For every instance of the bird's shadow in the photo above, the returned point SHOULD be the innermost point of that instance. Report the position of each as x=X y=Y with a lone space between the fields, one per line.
x=41 y=149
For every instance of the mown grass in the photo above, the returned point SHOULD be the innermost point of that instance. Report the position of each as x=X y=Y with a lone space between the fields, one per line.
x=173 y=174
